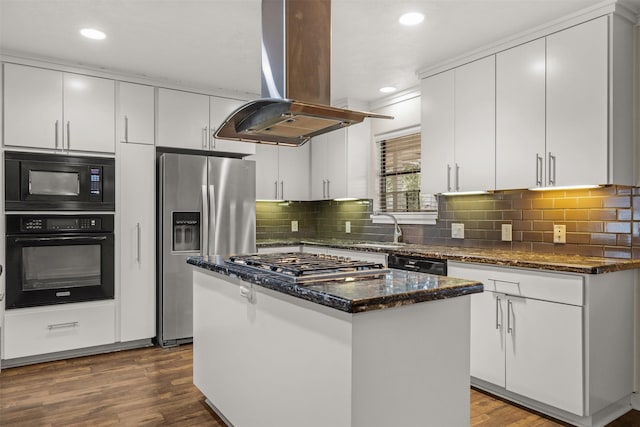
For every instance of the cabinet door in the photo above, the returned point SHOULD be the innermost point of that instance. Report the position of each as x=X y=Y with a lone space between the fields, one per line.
x=359 y=144
x=487 y=337
x=267 y=185
x=577 y=100
x=337 y=164
x=32 y=107
x=319 y=161
x=135 y=113
x=89 y=113
x=137 y=241
x=544 y=352
x=219 y=110
x=437 y=134
x=474 y=101
x=293 y=171
x=183 y=119
x=520 y=116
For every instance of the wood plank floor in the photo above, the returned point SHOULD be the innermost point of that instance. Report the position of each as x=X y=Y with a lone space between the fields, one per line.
x=153 y=386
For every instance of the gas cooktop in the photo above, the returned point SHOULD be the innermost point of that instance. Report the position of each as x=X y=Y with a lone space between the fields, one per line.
x=301 y=267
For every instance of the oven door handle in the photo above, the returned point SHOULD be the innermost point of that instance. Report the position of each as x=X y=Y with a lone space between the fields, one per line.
x=65 y=239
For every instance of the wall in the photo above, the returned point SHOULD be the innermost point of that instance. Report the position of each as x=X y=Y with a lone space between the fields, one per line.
x=600 y=222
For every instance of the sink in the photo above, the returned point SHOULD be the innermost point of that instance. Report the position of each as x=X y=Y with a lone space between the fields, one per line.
x=380 y=245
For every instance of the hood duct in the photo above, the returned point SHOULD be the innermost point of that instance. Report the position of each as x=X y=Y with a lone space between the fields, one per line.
x=296 y=89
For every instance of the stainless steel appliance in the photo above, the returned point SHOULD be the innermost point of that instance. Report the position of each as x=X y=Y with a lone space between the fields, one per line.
x=55 y=259
x=206 y=206
x=302 y=267
x=296 y=80
x=54 y=182
x=419 y=264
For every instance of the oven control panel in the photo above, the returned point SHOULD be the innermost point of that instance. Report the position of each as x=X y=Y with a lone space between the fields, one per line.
x=60 y=224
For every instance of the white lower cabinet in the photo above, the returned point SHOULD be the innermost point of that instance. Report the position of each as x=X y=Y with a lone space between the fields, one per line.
x=540 y=337
x=40 y=330
x=137 y=241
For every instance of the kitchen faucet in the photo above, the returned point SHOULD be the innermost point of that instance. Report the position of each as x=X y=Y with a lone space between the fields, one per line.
x=397 y=231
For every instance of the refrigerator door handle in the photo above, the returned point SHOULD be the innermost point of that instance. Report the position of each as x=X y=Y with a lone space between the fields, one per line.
x=204 y=222
x=211 y=218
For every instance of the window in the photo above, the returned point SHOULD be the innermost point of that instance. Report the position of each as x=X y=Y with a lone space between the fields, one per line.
x=399 y=175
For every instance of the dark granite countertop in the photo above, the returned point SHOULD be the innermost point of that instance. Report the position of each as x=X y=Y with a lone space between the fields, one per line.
x=393 y=289
x=540 y=261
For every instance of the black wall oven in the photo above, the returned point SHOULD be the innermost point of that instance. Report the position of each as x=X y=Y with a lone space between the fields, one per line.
x=54 y=182
x=54 y=259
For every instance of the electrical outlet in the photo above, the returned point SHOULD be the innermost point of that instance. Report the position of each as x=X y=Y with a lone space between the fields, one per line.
x=457 y=231
x=294 y=225
x=347 y=226
x=559 y=234
x=506 y=233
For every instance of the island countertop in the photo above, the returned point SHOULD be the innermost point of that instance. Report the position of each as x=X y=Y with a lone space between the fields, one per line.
x=508 y=258
x=393 y=289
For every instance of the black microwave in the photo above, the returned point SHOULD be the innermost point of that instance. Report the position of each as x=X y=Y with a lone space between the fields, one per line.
x=36 y=181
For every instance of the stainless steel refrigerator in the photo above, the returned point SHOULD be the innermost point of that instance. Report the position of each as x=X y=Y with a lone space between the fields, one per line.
x=206 y=206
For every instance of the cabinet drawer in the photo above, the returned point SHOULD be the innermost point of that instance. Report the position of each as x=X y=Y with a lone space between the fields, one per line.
x=543 y=285
x=33 y=331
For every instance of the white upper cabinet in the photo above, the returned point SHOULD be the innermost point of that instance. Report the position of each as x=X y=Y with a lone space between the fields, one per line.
x=577 y=104
x=135 y=113
x=282 y=173
x=32 y=107
x=475 y=134
x=458 y=136
x=60 y=111
x=437 y=133
x=329 y=165
x=183 y=119
x=219 y=109
x=520 y=116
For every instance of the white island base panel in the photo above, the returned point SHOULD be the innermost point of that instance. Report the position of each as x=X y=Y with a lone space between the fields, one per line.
x=263 y=358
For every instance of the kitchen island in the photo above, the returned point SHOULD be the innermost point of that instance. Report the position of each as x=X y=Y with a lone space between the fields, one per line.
x=390 y=350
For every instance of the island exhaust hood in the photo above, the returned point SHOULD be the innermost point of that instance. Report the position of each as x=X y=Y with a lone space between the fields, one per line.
x=296 y=64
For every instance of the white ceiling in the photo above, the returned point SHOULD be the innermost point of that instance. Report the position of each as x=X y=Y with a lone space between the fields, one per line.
x=216 y=43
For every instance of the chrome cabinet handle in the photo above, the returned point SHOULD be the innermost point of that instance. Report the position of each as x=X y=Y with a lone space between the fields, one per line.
x=248 y=293
x=498 y=324
x=212 y=140
x=448 y=177
x=63 y=325
x=552 y=181
x=204 y=137
x=1 y=297
x=68 y=135
x=126 y=129
x=509 y=310
x=276 y=193
x=282 y=190
x=457 y=177
x=538 y=169
x=138 y=245
x=324 y=188
x=56 y=128
x=328 y=189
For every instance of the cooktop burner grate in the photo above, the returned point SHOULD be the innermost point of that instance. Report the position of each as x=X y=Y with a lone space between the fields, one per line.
x=303 y=267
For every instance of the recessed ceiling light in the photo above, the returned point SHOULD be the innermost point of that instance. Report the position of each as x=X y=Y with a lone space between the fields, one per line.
x=92 y=33
x=411 y=18
x=387 y=89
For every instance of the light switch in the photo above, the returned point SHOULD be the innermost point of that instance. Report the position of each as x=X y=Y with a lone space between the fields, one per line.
x=506 y=233
x=559 y=234
x=457 y=231
x=347 y=226
x=294 y=225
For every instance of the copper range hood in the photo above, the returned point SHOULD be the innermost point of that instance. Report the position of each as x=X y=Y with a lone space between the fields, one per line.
x=296 y=64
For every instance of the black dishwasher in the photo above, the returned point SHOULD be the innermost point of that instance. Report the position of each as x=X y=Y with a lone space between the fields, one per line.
x=417 y=263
